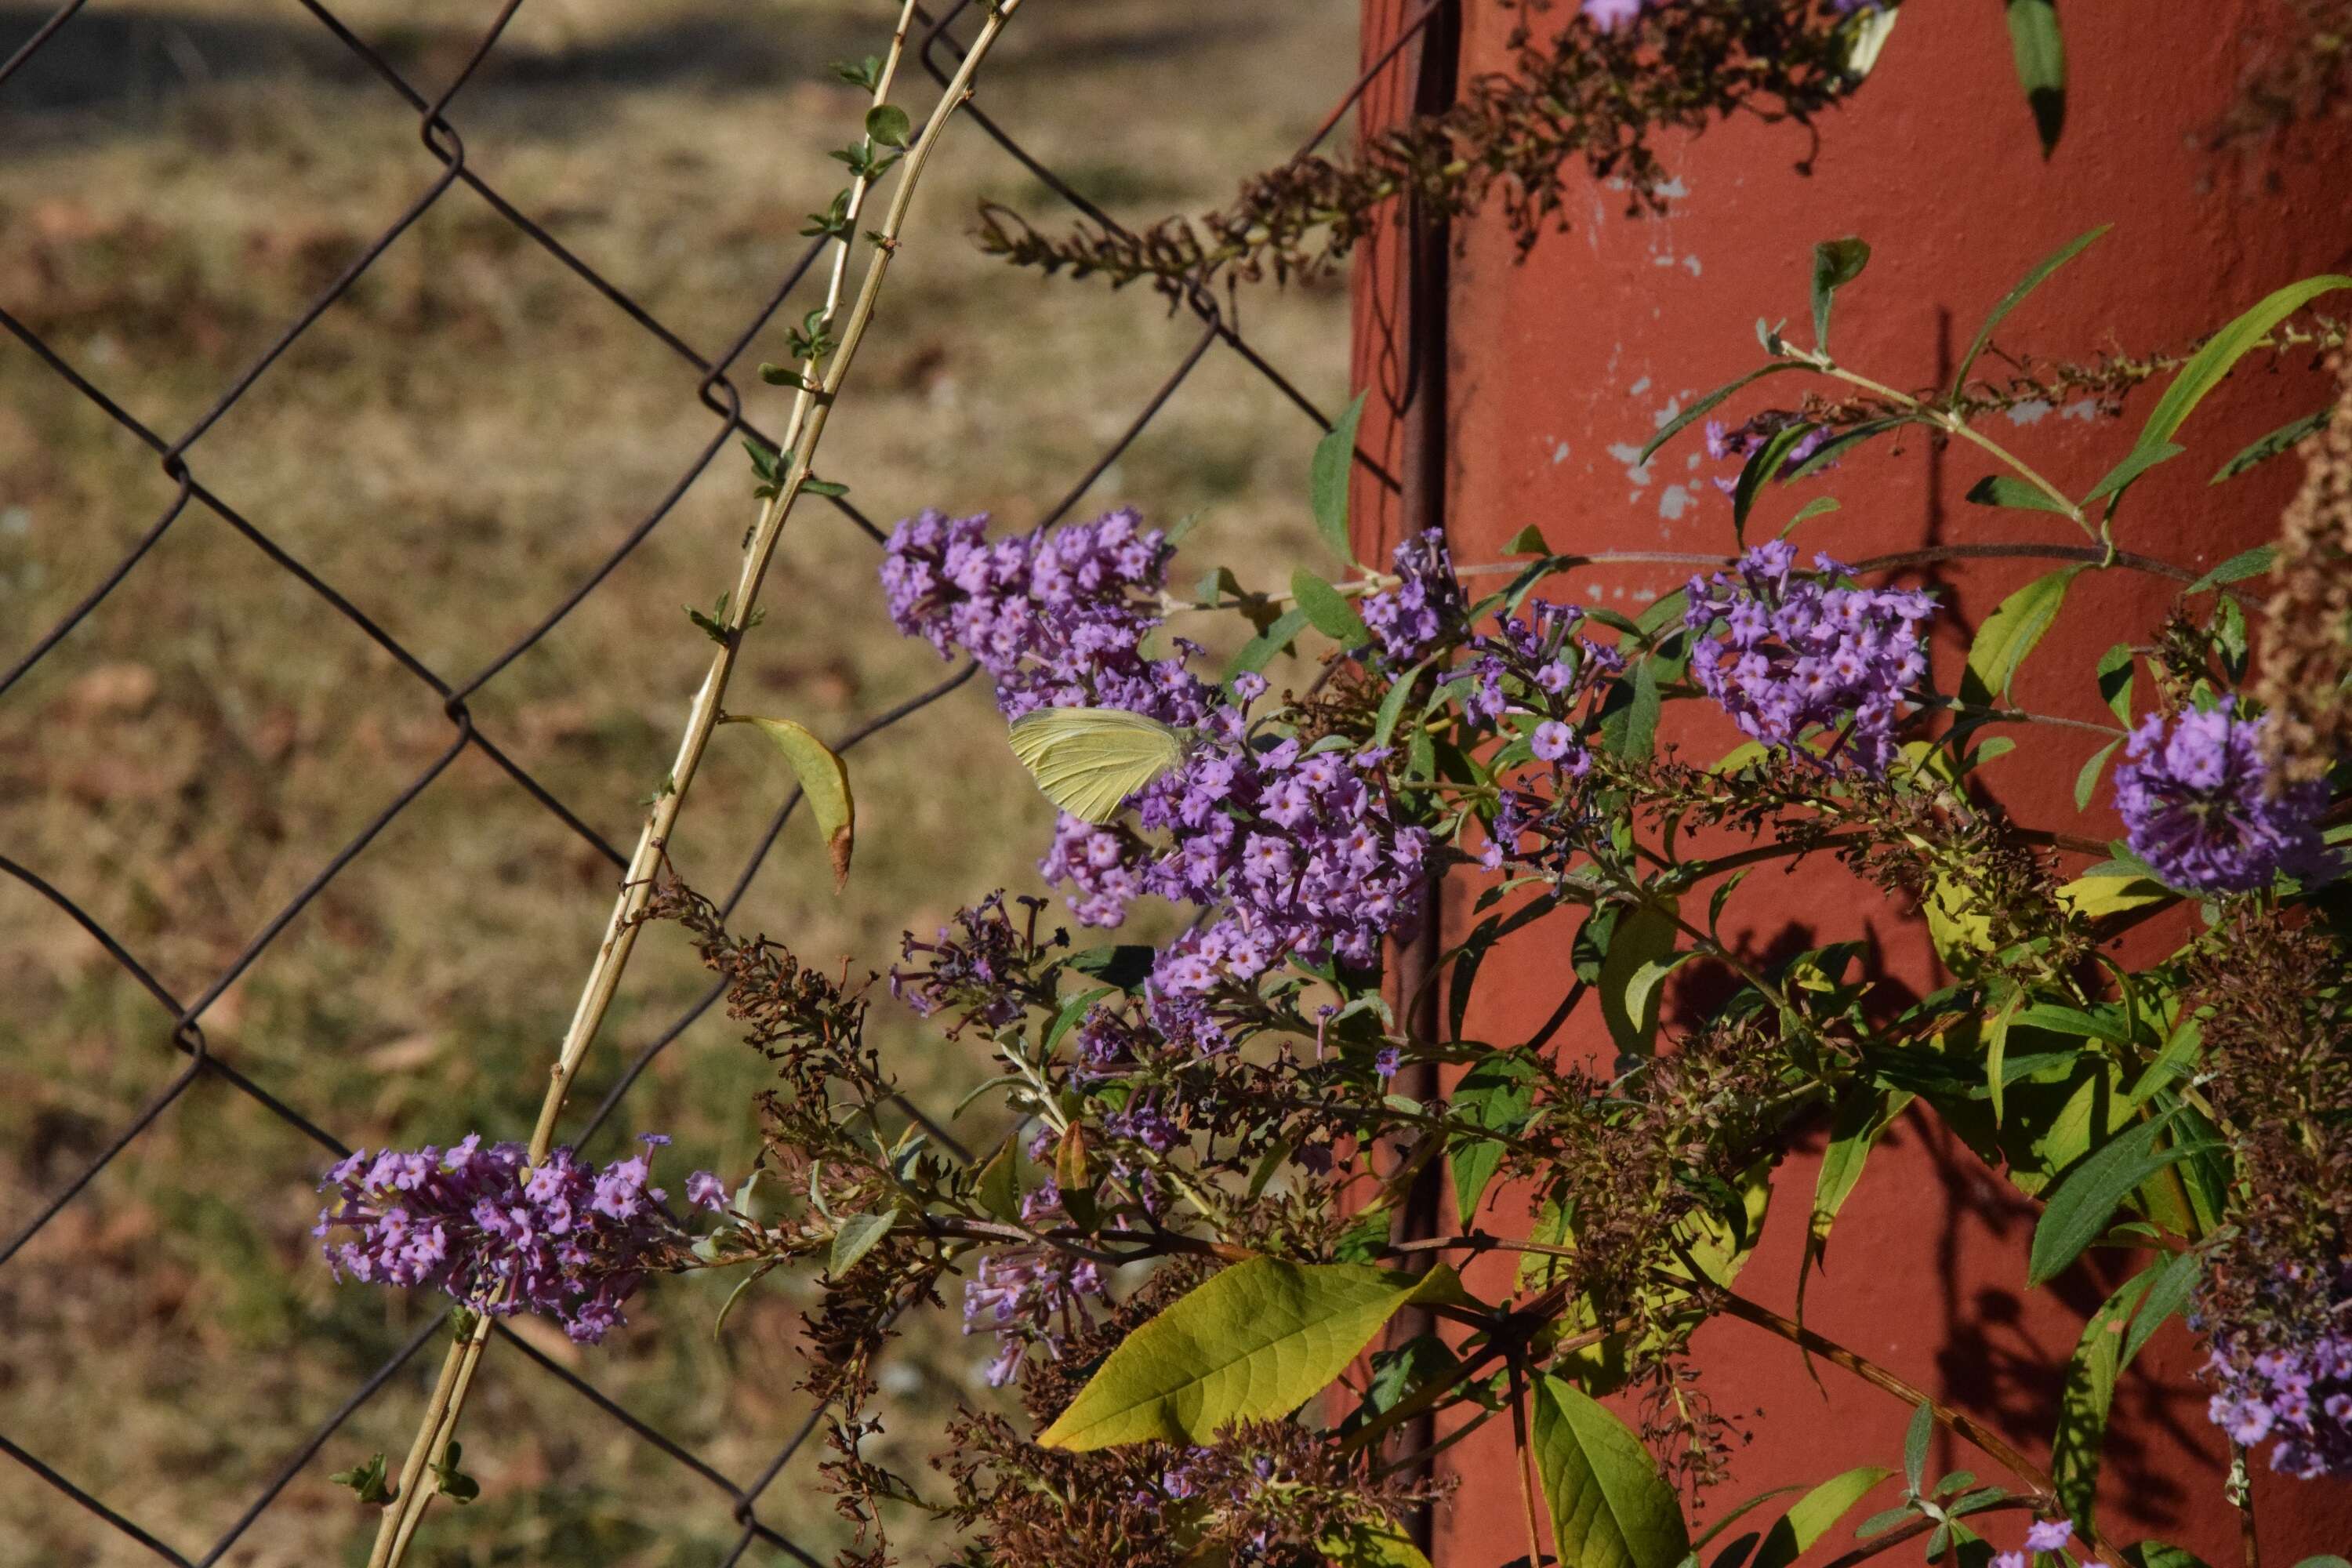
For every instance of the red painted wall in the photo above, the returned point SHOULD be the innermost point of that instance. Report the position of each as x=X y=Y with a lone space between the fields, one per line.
x=1557 y=367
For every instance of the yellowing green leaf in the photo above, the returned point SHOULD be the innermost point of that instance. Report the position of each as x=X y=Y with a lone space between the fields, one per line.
x=1609 y=1507
x=1251 y=1343
x=1643 y=936
x=1814 y=1513
x=824 y=783
x=2091 y=896
x=2010 y=632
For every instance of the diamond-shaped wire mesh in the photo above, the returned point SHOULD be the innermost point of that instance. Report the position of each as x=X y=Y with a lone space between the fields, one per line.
x=180 y=453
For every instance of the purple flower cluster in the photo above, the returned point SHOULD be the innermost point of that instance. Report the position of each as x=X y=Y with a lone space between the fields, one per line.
x=503 y=1236
x=1786 y=653
x=1298 y=846
x=2199 y=806
x=1422 y=606
x=1019 y=1293
x=2299 y=1395
x=1056 y=619
x=2043 y=1535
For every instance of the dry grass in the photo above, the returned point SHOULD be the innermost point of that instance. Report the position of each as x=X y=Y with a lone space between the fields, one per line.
x=456 y=445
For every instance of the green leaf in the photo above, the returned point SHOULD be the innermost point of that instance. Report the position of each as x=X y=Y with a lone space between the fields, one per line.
x=1836 y=263
x=1371 y=1546
x=999 y=1186
x=1725 y=1520
x=2040 y=54
x=2085 y=1399
x=454 y=1483
x=1833 y=450
x=1862 y=1118
x=1392 y=706
x=2016 y=297
x=2137 y=461
x=1706 y=406
x=1497 y=1094
x=1810 y=511
x=1996 y=1047
x=2088 y=779
x=2329 y=1562
x=1250 y=1343
x=2204 y=372
x=1637 y=739
x=1643 y=936
x=2003 y=489
x=2010 y=633
x=1529 y=541
x=2176 y=1279
x=825 y=487
x=1335 y=459
x=368 y=1481
x=1328 y=611
x=2236 y=569
x=1814 y=1513
x=1609 y=1507
x=2115 y=674
x=887 y=124
x=824 y=783
x=857 y=1238
x=2078 y=1211
x=1259 y=651
x=2284 y=439
x=2156 y=1554
x=1761 y=465
x=1915 y=1446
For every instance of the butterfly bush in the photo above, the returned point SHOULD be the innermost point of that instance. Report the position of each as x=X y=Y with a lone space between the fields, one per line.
x=1293 y=845
x=1254 y=1108
x=2199 y=805
x=500 y=1234
x=1786 y=653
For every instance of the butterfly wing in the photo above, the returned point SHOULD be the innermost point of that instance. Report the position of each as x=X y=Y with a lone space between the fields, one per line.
x=1090 y=760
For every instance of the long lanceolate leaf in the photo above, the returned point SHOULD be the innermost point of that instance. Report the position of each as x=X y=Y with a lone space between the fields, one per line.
x=2016 y=297
x=2079 y=1210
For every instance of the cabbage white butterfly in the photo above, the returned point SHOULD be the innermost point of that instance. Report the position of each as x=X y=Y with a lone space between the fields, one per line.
x=1088 y=760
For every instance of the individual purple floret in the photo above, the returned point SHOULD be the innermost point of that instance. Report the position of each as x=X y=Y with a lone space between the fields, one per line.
x=499 y=1234
x=1056 y=619
x=1610 y=14
x=2298 y=1394
x=1422 y=606
x=2197 y=807
x=1021 y=1293
x=1786 y=653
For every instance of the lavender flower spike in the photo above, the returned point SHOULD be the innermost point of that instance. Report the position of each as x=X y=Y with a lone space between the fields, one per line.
x=498 y=1234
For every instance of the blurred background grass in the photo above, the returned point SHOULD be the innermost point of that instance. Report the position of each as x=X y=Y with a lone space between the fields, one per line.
x=454 y=446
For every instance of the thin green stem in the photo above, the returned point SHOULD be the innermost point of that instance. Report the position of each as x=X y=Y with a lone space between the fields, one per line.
x=1952 y=423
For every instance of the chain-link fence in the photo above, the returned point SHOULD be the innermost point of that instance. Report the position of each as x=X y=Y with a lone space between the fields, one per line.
x=181 y=456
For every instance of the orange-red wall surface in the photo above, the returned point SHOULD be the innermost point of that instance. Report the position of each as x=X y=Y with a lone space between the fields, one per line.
x=1549 y=371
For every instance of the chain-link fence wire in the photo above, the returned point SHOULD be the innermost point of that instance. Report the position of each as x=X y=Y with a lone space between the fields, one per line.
x=939 y=50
